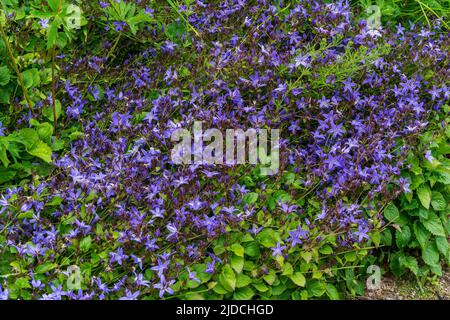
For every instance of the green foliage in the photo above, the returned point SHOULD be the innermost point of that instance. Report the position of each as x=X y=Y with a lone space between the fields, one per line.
x=422 y=237
x=410 y=10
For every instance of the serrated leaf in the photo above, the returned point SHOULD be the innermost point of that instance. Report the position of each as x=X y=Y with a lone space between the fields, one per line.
x=403 y=236
x=391 y=213
x=424 y=194
x=437 y=201
x=430 y=254
x=434 y=225
x=410 y=263
x=442 y=245
x=422 y=234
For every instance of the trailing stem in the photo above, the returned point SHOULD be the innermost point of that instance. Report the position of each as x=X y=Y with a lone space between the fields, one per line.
x=16 y=68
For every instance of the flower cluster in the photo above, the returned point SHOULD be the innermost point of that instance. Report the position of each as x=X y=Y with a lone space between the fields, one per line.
x=349 y=101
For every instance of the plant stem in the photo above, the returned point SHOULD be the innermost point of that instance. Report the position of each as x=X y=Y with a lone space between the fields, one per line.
x=16 y=68
x=53 y=76
x=53 y=88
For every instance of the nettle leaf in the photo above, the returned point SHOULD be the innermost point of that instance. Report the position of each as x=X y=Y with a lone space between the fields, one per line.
x=424 y=194
x=434 y=224
x=391 y=213
x=410 y=263
x=442 y=245
x=4 y=75
x=430 y=254
x=422 y=234
x=437 y=201
x=228 y=278
x=403 y=236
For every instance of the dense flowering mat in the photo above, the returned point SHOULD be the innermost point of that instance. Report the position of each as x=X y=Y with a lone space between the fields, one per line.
x=350 y=102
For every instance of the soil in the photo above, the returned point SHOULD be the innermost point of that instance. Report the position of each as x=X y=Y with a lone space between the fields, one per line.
x=408 y=289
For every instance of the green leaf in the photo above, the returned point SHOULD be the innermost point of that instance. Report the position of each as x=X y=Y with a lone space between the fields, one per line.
x=270 y=277
x=5 y=95
x=424 y=194
x=237 y=263
x=410 y=263
x=437 y=201
x=52 y=35
x=227 y=278
x=85 y=244
x=391 y=212
x=316 y=288
x=41 y=150
x=4 y=75
x=430 y=254
x=299 y=279
x=31 y=78
x=22 y=283
x=268 y=238
x=260 y=286
x=243 y=294
x=3 y=155
x=45 y=267
x=48 y=112
x=442 y=245
x=403 y=236
x=44 y=130
x=326 y=249
x=237 y=249
x=250 y=198
x=242 y=280
x=422 y=234
x=28 y=137
x=332 y=292
x=434 y=225
x=54 y=5
x=252 y=249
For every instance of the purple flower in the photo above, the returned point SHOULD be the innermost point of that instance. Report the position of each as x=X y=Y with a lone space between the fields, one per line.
x=44 y=23
x=278 y=250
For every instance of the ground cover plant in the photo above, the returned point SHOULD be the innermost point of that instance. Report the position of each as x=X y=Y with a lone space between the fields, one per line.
x=92 y=206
